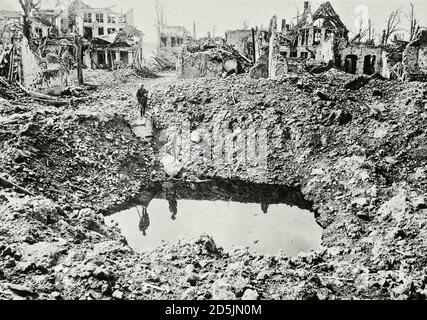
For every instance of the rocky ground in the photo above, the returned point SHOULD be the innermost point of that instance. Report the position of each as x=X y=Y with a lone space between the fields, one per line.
x=356 y=150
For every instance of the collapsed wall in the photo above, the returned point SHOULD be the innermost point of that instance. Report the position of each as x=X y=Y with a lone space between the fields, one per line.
x=31 y=71
x=415 y=58
x=198 y=64
x=241 y=40
x=37 y=72
x=361 y=59
x=218 y=60
x=277 y=65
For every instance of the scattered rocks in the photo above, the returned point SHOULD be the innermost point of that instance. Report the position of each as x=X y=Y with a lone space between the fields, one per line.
x=20 y=290
x=354 y=152
x=357 y=83
x=117 y=295
x=250 y=295
x=221 y=290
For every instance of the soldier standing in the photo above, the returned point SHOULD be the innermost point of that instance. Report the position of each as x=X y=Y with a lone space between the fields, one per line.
x=142 y=97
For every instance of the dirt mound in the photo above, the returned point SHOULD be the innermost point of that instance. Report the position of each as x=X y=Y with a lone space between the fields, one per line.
x=358 y=156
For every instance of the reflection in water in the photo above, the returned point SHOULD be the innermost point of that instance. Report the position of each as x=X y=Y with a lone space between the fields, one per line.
x=144 y=220
x=170 y=195
x=264 y=207
x=228 y=211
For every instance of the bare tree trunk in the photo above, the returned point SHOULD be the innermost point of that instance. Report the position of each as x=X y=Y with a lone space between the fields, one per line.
x=253 y=45
x=159 y=22
x=78 y=41
x=27 y=30
x=393 y=23
x=28 y=6
x=414 y=25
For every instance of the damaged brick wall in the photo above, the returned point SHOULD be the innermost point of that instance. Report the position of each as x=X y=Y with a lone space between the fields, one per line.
x=325 y=50
x=277 y=65
x=38 y=74
x=415 y=58
x=197 y=64
x=31 y=70
x=260 y=69
x=361 y=59
x=239 y=39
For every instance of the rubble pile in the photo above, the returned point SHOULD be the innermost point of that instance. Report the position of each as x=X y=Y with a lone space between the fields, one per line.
x=73 y=155
x=10 y=92
x=201 y=59
x=203 y=44
x=356 y=153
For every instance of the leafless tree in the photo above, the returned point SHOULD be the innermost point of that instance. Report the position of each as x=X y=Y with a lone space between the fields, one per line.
x=160 y=15
x=74 y=8
x=362 y=31
x=298 y=16
x=414 y=25
x=392 y=26
x=370 y=32
x=160 y=22
x=28 y=6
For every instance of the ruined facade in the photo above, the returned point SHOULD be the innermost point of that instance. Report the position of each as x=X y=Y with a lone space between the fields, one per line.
x=321 y=38
x=51 y=60
x=415 y=58
x=116 y=50
x=9 y=22
x=173 y=37
x=314 y=34
x=47 y=22
x=315 y=37
x=169 y=42
x=241 y=40
x=103 y=21
x=197 y=64
x=114 y=42
x=361 y=59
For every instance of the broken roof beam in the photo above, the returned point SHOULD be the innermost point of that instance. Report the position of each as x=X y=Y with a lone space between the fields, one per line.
x=327 y=12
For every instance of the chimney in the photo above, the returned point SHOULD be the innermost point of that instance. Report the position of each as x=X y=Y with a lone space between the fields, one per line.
x=194 y=29
x=209 y=35
x=306 y=5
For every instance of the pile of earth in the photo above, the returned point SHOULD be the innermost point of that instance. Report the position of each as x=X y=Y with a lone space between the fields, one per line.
x=357 y=152
x=76 y=156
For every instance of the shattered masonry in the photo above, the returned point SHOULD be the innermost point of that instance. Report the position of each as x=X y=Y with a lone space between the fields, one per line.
x=318 y=41
x=110 y=41
x=321 y=38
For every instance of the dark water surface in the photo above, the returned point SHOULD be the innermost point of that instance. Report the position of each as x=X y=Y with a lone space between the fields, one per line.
x=265 y=218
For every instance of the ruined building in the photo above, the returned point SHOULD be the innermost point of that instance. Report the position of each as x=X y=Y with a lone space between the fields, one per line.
x=320 y=39
x=114 y=41
x=169 y=42
x=9 y=22
x=241 y=40
x=116 y=50
x=109 y=40
x=314 y=35
x=102 y=21
x=173 y=37
x=415 y=58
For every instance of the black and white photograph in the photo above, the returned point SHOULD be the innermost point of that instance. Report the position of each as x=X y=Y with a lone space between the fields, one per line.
x=213 y=150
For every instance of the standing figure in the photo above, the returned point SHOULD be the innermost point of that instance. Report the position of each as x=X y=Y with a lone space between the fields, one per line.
x=142 y=97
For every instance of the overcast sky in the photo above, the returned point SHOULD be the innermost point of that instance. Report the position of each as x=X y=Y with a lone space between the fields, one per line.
x=231 y=14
